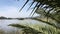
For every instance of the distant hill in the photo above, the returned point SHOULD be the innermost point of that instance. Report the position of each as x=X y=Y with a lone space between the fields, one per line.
x=2 y=17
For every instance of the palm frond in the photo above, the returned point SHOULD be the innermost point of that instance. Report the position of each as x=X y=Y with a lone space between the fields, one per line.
x=31 y=5
x=24 y=5
x=34 y=8
x=26 y=29
x=17 y=25
x=47 y=23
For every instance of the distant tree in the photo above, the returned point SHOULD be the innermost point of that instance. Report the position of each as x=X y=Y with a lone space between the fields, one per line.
x=2 y=17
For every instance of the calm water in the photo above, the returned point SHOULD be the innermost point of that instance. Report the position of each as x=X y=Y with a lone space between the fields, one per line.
x=4 y=25
x=4 y=28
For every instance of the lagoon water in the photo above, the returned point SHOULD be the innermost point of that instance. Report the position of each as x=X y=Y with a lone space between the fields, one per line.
x=13 y=30
x=5 y=29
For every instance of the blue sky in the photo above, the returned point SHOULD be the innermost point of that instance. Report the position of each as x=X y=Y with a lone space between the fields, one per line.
x=10 y=8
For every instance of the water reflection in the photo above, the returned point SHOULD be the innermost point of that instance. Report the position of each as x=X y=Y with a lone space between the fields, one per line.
x=5 y=29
